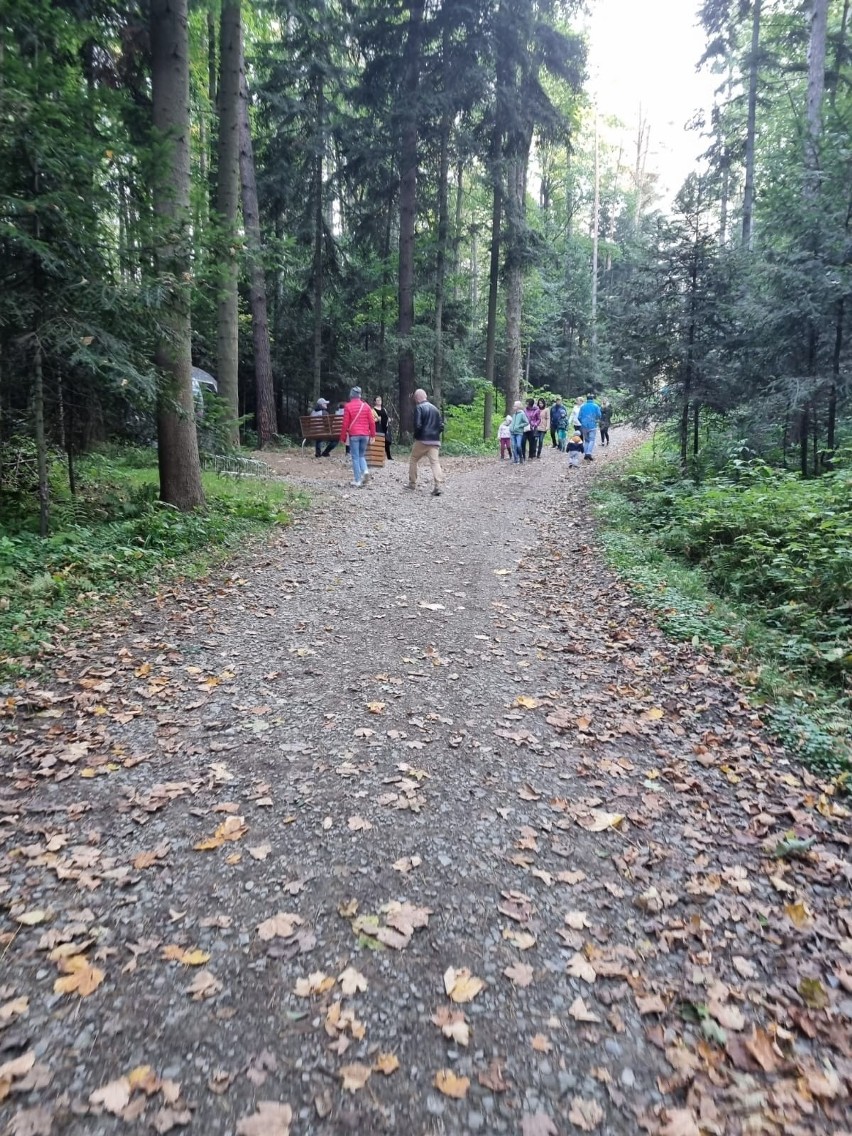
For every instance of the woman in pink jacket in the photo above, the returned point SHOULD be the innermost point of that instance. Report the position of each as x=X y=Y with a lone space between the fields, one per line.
x=359 y=423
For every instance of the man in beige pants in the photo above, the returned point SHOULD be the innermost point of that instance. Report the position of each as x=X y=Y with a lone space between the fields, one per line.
x=428 y=427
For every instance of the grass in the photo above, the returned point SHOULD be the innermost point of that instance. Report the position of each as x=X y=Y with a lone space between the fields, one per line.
x=810 y=716
x=113 y=535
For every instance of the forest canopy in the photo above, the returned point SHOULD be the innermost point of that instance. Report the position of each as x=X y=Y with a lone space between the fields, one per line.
x=300 y=197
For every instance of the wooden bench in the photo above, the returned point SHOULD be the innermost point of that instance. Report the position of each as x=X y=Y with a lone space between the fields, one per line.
x=326 y=428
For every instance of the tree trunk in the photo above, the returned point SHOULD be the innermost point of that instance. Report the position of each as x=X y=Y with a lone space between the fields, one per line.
x=227 y=205
x=803 y=440
x=264 y=392
x=816 y=87
x=494 y=263
x=407 y=213
x=319 y=228
x=441 y=255
x=212 y=100
x=457 y=228
x=40 y=440
x=596 y=210
x=177 y=442
x=751 y=127
x=515 y=190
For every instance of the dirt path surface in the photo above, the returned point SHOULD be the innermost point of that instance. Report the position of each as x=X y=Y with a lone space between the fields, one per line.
x=414 y=824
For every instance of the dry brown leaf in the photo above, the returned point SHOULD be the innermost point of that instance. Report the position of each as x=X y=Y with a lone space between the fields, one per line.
x=492 y=1077
x=80 y=977
x=650 y=1004
x=352 y=981
x=271 y=1119
x=407 y=864
x=260 y=851
x=281 y=926
x=580 y=967
x=519 y=973
x=538 y=1124
x=31 y=1122
x=541 y=1043
x=386 y=1063
x=204 y=985
x=461 y=986
x=523 y=940
x=743 y=967
x=32 y=918
x=452 y=1024
x=358 y=824
x=17 y=1067
x=355 y=1077
x=527 y=702
x=113 y=1097
x=315 y=983
x=577 y=920
x=450 y=1084
x=586 y=1114
x=165 y=1119
x=581 y=1012
x=680 y=1122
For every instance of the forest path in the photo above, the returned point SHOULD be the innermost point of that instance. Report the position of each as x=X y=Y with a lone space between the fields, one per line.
x=413 y=734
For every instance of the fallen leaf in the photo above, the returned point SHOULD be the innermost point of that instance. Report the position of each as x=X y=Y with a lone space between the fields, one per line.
x=315 y=983
x=580 y=967
x=680 y=1122
x=581 y=1012
x=577 y=920
x=520 y=973
x=407 y=863
x=538 y=1124
x=386 y=1063
x=523 y=940
x=31 y=1122
x=650 y=1004
x=270 y=1119
x=281 y=926
x=527 y=702
x=352 y=981
x=165 y=1119
x=80 y=977
x=358 y=824
x=452 y=1024
x=492 y=1077
x=193 y=957
x=585 y=1114
x=32 y=918
x=113 y=1097
x=541 y=1043
x=260 y=851
x=204 y=985
x=450 y=1084
x=355 y=1077
x=461 y=985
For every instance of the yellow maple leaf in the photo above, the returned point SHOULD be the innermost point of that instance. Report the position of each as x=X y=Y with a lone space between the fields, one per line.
x=386 y=1063
x=450 y=1084
x=461 y=985
x=80 y=977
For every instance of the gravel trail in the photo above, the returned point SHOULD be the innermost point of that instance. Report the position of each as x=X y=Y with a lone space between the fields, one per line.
x=264 y=828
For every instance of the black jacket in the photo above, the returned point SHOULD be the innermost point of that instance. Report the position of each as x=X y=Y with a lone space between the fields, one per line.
x=428 y=423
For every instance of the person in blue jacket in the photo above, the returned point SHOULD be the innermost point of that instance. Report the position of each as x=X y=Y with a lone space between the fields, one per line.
x=589 y=415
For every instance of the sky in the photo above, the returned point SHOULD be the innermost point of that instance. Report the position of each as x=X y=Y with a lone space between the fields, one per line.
x=644 y=53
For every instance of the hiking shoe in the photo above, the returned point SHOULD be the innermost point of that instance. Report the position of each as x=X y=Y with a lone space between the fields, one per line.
x=411 y=487
x=437 y=491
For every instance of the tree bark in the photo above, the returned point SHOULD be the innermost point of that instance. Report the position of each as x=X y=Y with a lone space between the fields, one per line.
x=264 y=391
x=407 y=212
x=494 y=263
x=751 y=128
x=441 y=253
x=177 y=442
x=596 y=211
x=816 y=87
x=319 y=226
x=227 y=206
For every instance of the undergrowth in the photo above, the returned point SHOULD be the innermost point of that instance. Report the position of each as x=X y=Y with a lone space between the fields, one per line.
x=114 y=533
x=754 y=563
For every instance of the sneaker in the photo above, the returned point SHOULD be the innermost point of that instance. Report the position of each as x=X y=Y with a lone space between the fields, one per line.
x=411 y=487
x=367 y=478
x=437 y=491
x=355 y=484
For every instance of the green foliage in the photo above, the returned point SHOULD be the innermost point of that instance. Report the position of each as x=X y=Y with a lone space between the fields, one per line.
x=778 y=550
x=463 y=432
x=116 y=533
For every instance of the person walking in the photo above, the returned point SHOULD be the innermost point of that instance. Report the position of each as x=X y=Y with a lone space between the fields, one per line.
x=589 y=415
x=383 y=424
x=559 y=422
x=428 y=427
x=606 y=421
x=520 y=426
x=543 y=427
x=533 y=416
x=360 y=424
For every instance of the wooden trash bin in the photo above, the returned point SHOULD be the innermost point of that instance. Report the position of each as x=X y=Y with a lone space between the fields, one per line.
x=376 y=451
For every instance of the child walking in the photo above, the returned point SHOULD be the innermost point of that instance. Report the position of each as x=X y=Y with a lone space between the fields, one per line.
x=504 y=433
x=575 y=451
